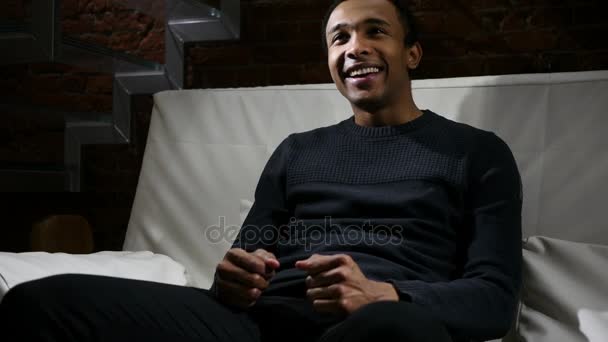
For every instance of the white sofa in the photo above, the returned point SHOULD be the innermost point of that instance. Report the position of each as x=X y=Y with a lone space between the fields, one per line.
x=206 y=150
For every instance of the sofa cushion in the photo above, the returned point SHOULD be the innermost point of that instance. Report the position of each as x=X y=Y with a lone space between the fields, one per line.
x=594 y=324
x=16 y=268
x=563 y=281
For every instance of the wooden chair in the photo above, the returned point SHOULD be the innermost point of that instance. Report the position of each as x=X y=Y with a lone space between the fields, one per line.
x=62 y=233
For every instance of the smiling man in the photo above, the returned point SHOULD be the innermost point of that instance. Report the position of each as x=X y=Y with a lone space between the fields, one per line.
x=393 y=225
x=423 y=241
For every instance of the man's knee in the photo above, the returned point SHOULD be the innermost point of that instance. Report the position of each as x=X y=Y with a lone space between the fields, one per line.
x=37 y=294
x=384 y=317
x=399 y=321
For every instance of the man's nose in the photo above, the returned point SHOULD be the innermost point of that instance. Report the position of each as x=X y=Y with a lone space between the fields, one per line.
x=357 y=47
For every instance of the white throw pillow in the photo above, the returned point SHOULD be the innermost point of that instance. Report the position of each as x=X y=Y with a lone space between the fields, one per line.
x=561 y=280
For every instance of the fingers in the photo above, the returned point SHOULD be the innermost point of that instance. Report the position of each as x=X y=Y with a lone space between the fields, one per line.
x=321 y=263
x=335 y=306
x=333 y=276
x=231 y=272
x=335 y=291
x=250 y=262
x=242 y=276
x=270 y=260
x=236 y=294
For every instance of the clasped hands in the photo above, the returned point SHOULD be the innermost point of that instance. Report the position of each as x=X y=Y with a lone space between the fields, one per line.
x=335 y=283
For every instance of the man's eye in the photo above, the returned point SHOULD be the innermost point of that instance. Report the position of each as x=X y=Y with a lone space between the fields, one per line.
x=376 y=30
x=339 y=37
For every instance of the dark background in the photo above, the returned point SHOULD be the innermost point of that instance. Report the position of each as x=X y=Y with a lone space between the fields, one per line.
x=279 y=45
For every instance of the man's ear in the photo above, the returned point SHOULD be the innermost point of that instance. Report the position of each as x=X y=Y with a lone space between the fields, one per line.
x=413 y=55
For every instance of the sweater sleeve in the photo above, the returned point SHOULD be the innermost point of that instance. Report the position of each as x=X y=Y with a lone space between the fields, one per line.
x=269 y=211
x=481 y=303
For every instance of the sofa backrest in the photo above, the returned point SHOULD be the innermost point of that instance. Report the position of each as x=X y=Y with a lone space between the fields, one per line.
x=206 y=150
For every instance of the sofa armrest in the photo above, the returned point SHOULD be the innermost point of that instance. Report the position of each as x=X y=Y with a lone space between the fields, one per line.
x=16 y=268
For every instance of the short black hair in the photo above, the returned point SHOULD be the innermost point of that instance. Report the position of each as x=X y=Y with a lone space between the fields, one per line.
x=405 y=16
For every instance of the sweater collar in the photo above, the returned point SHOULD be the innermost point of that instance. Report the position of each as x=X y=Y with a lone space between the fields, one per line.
x=350 y=127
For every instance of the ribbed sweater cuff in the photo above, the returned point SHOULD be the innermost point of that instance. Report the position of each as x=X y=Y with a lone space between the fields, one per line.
x=409 y=290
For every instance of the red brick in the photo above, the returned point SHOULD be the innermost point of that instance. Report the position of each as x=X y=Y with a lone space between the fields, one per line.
x=35 y=147
x=46 y=83
x=442 y=46
x=281 y=11
x=109 y=181
x=99 y=5
x=587 y=38
x=281 y=32
x=309 y=31
x=154 y=8
x=154 y=41
x=76 y=26
x=73 y=102
x=96 y=6
x=105 y=23
x=568 y=41
x=99 y=84
x=490 y=4
x=430 y=22
x=129 y=21
x=502 y=65
x=73 y=83
x=531 y=40
x=96 y=38
x=124 y=41
x=422 y=5
x=460 y=25
x=95 y=103
x=561 y=61
x=469 y=66
x=487 y=44
x=86 y=23
x=595 y=60
x=591 y=14
x=516 y=20
x=287 y=54
x=551 y=18
x=8 y=85
x=219 y=78
x=284 y=74
x=254 y=76
x=49 y=68
x=153 y=55
x=253 y=30
x=13 y=10
x=227 y=55
x=69 y=8
x=57 y=101
x=315 y=73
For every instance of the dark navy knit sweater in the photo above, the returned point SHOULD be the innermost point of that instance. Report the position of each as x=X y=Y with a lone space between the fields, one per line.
x=431 y=206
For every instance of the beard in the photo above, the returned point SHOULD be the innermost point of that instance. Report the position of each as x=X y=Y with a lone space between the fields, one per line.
x=370 y=104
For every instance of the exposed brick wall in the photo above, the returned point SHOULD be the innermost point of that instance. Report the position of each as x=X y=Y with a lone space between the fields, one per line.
x=279 y=45
x=115 y=24
x=15 y=10
x=280 y=41
x=34 y=99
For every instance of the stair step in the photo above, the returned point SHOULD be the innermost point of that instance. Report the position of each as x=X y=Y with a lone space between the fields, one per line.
x=32 y=178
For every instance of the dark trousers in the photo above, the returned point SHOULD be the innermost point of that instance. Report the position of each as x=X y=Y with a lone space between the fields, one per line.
x=95 y=308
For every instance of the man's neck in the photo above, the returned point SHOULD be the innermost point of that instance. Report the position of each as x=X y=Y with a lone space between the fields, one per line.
x=386 y=116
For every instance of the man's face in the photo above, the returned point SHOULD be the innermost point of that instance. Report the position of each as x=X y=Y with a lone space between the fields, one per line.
x=367 y=57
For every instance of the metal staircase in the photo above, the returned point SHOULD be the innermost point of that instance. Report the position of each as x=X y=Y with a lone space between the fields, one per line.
x=40 y=40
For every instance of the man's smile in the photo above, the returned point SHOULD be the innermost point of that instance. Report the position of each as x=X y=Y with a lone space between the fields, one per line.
x=362 y=74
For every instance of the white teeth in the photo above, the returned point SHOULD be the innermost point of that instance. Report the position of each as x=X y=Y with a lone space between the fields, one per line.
x=364 y=71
